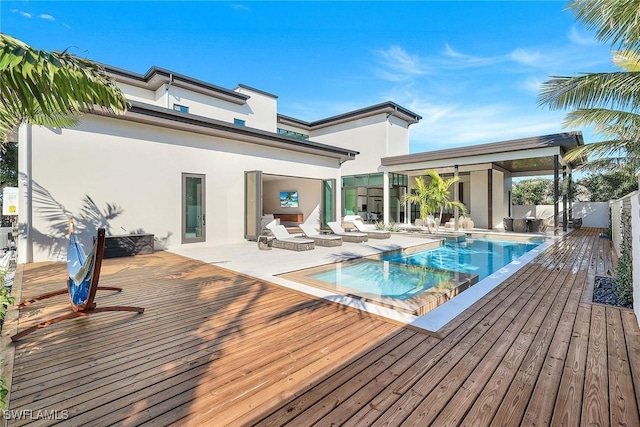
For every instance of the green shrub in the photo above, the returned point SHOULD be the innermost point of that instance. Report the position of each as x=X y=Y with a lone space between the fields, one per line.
x=624 y=271
x=393 y=226
x=380 y=225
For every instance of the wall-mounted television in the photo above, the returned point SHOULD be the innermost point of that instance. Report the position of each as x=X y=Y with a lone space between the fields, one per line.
x=288 y=199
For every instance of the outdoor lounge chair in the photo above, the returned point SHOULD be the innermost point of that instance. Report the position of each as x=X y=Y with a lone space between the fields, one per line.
x=353 y=237
x=320 y=239
x=84 y=274
x=284 y=240
x=372 y=234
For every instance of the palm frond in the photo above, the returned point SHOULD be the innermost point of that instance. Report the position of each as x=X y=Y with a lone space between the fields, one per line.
x=37 y=84
x=618 y=90
x=617 y=21
x=611 y=164
x=608 y=148
x=627 y=60
x=601 y=118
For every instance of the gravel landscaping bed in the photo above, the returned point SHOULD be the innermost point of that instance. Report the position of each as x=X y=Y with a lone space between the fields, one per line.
x=605 y=292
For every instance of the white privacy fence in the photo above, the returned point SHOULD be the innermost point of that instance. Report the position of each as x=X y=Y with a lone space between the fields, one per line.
x=593 y=214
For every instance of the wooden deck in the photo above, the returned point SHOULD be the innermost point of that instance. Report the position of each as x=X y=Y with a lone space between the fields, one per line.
x=217 y=348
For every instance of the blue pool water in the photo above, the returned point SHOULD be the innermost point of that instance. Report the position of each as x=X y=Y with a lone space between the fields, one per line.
x=383 y=278
x=473 y=256
x=403 y=276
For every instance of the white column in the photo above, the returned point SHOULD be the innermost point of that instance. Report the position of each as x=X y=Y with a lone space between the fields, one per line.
x=25 y=194
x=456 y=198
x=385 y=197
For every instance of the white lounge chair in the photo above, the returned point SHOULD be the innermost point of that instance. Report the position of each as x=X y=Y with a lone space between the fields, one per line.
x=284 y=240
x=320 y=239
x=372 y=234
x=353 y=237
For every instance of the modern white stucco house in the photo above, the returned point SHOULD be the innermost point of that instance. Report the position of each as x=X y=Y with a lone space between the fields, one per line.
x=197 y=164
x=175 y=165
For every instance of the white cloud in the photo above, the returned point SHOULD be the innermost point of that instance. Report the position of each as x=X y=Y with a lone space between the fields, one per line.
x=469 y=125
x=25 y=14
x=523 y=57
x=400 y=64
x=46 y=17
x=463 y=60
x=532 y=85
x=241 y=7
x=581 y=39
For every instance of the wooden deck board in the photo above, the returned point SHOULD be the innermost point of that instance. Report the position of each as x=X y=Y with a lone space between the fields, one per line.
x=219 y=348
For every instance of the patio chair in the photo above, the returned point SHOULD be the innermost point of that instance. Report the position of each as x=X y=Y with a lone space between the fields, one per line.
x=372 y=234
x=537 y=225
x=284 y=240
x=320 y=239
x=84 y=274
x=520 y=225
x=353 y=236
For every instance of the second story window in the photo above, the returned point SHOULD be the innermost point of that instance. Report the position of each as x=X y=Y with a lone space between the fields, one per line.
x=293 y=134
x=238 y=122
x=181 y=108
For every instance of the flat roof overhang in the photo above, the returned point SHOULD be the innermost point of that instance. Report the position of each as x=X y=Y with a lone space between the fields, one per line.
x=163 y=117
x=520 y=157
x=389 y=108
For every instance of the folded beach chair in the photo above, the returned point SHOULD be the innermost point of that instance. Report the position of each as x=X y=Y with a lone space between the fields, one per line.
x=372 y=234
x=320 y=239
x=347 y=236
x=284 y=240
x=84 y=274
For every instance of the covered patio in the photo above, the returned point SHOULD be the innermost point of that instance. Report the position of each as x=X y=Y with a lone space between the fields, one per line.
x=215 y=347
x=486 y=172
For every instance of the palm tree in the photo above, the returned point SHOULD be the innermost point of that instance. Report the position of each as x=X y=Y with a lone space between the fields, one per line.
x=433 y=196
x=420 y=196
x=440 y=193
x=51 y=89
x=608 y=101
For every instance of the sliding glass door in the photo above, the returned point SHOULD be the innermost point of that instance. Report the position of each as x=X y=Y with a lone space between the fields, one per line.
x=193 y=208
x=328 y=206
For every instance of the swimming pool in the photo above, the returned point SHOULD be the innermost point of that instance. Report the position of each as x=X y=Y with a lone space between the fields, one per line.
x=473 y=256
x=416 y=280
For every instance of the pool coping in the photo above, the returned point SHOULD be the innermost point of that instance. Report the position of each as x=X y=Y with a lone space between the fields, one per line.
x=417 y=305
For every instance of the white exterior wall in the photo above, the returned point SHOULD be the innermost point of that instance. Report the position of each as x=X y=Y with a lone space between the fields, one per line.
x=259 y=113
x=593 y=214
x=206 y=106
x=635 y=252
x=398 y=141
x=479 y=203
x=534 y=211
x=498 y=208
x=138 y=168
x=369 y=136
x=135 y=93
x=261 y=110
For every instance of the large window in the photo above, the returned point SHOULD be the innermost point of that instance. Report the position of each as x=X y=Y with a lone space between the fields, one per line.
x=293 y=134
x=363 y=195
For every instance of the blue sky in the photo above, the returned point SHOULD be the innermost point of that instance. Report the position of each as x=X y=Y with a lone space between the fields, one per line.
x=470 y=69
